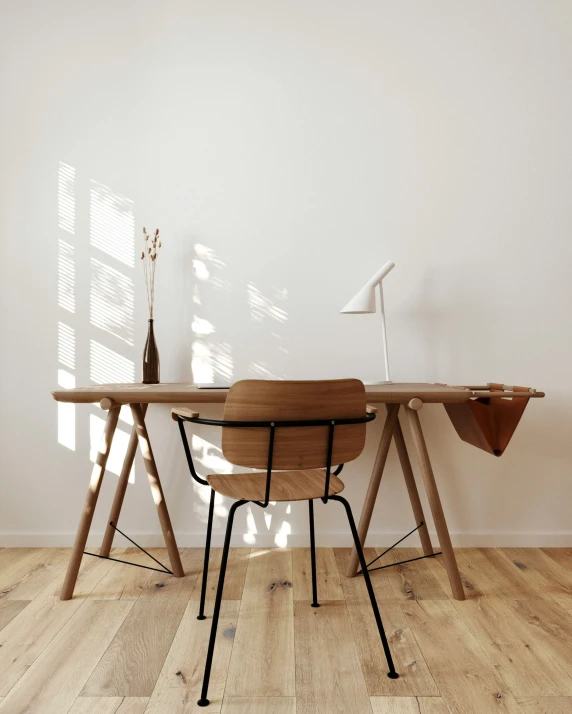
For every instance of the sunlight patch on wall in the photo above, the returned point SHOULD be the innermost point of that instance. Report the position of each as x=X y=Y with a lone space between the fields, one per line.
x=209 y=456
x=262 y=307
x=201 y=363
x=206 y=259
x=200 y=270
x=66 y=412
x=202 y=327
x=65 y=379
x=261 y=370
x=201 y=507
x=66 y=197
x=211 y=361
x=66 y=345
x=107 y=366
x=126 y=415
x=281 y=538
x=112 y=223
x=66 y=276
x=206 y=254
x=250 y=536
x=111 y=301
x=118 y=446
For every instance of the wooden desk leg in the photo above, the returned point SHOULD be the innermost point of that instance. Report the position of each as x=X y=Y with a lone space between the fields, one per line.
x=373 y=488
x=435 y=503
x=90 y=502
x=120 y=490
x=157 y=490
x=412 y=489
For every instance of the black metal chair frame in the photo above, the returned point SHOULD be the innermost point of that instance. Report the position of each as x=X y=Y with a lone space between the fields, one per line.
x=272 y=426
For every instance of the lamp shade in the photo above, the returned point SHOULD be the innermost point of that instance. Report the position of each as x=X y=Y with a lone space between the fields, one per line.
x=364 y=301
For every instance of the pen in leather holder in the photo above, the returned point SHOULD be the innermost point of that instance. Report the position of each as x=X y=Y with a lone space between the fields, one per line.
x=489 y=421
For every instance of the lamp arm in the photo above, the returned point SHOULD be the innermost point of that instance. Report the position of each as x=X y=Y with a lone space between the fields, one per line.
x=382 y=272
x=384 y=332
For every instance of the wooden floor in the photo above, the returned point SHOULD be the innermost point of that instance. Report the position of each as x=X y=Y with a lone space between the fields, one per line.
x=129 y=642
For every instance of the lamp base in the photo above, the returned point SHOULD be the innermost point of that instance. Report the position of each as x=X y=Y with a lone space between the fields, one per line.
x=377 y=383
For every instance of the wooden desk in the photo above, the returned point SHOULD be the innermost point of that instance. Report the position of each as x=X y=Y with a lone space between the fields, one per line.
x=139 y=396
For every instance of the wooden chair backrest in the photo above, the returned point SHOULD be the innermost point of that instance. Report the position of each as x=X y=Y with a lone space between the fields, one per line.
x=295 y=448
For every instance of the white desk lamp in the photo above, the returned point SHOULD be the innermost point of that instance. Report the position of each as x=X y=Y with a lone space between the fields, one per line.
x=364 y=302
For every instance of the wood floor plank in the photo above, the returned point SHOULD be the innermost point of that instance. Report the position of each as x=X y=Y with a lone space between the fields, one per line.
x=92 y=572
x=545 y=705
x=262 y=660
x=473 y=586
x=507 y=649
x=109 y=705
x=410 y=581
x=27 y=581
x=234 y=577
x=9 y=609
x=545 y=575
x=329 y=678
x=467 y=680
x=174 y=701
x=562 y=556
x=96 y=705
x=12 y=559
x=259 y=705
x=327 y=575
x=132 y=663
x=432 y=705
x=414 y=676
x=523 y=662
x=125 y=582
x=133 y=705
x=180 y=681
x=551 y=625
x=502 y=576
x=29 y=633
x=379 y=579
x=394 y=705
x=54 y=681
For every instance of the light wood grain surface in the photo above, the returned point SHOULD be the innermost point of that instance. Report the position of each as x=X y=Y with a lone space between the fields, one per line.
x=262 y=660
x=129 y=641
x=284 y=485
x=181 y=393
x=294 y=448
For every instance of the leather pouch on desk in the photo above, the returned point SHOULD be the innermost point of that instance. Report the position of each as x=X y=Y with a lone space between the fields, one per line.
x=487 y=423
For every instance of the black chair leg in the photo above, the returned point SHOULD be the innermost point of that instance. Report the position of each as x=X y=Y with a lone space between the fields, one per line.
x=201 y=615
x=203 y=701
x=315 y=602
x=392 y=674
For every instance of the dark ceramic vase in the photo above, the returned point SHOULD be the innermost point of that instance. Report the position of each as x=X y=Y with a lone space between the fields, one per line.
x=150 y=358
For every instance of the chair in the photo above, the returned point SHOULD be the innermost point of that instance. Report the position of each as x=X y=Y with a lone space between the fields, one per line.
x=295 y=431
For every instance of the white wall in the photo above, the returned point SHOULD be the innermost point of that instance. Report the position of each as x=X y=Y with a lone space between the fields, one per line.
x=289 y=148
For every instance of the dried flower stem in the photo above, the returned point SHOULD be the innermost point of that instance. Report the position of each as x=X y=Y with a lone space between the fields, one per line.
x=149 y=255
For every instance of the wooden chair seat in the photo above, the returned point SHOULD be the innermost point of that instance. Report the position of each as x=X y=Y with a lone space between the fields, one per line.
x=285 y=485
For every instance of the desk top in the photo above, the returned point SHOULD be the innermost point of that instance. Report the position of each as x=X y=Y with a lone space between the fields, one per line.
x=399 y=393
